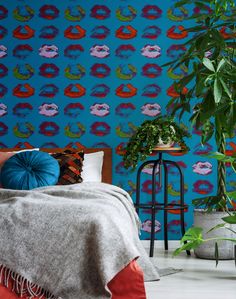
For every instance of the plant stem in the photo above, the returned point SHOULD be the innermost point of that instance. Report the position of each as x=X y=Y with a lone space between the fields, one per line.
x=221 y=186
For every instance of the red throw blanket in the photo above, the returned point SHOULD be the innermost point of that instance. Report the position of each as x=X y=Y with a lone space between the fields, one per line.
x=127 y=284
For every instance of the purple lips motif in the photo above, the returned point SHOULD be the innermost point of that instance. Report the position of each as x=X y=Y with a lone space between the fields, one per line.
x=100 y=109
x=151 y=109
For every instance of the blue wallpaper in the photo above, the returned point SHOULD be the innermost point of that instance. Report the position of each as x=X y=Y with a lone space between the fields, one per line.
x=89 y=72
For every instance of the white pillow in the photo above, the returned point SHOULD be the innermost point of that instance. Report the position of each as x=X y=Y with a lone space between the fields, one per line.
x=92 y=167
x=27 y=150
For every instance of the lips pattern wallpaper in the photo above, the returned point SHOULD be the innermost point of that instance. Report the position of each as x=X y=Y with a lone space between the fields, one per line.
x=90 y=72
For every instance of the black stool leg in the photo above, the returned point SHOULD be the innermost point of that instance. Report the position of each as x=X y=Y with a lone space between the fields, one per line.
x=165 y=205
x=181 y=198
x=182 y=204
x=138 y=179
x=152 y=240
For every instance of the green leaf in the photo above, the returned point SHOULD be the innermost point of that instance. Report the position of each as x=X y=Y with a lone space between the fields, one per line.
x=221 y=63
x=207 y=131
x=195 y=28
x=230 y=219
x=232 y=194
x=209 y=202
x=231 y=119
x=181 y=3
x=187 y=246
x=185 y=80
x=191 y=240
x=208 y=64
x=219 y=156
x=200 y=86
x=220 y=225
x=209 y=79
x=192 y=234
x=225 y=88
x=217 y=91
x=209 y=106
x=216 y=253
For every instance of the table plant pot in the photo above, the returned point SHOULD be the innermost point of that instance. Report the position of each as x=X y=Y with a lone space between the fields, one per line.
x=161 y=131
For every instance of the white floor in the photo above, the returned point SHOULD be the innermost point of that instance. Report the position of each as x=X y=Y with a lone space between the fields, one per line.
x=200 y=279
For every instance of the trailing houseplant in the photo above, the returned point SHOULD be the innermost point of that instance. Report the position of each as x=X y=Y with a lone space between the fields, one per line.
x=210 y=87
x=162 y=129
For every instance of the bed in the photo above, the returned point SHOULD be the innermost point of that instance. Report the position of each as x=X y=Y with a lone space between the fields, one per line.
x=96 y=253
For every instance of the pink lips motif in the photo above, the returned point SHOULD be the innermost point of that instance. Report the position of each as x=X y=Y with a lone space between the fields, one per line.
x=48 y=51
x=151 y=109
x=149 y=168
x=151 y=51
x=48 y=109
x=3 y=51
x=147 y=224
x=100 y=51
x=203 y=168
x=3 y=109
x=100 y=109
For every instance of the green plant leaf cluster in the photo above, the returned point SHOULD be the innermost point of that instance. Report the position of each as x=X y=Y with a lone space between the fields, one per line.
x=210 y=57
x=210 y=98
x=217 y=202
x=223 y=158
x=211 y=81
x=194 y=238
x=147 y=136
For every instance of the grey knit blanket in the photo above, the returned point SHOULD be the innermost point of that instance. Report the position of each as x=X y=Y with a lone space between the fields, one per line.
x=70 y=240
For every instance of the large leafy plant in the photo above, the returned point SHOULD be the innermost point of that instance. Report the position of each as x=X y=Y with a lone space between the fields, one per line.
x=148 y=135
x=208 y=92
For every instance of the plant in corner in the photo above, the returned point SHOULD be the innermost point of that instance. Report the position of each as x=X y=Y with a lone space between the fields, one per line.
x=211 y=85
x=194 y=237
x=162 y=131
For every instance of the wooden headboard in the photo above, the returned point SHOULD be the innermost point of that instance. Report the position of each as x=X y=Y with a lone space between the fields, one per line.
x=107 y=160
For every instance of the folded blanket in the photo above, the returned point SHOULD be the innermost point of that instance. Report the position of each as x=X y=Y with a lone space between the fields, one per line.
x=71 y=240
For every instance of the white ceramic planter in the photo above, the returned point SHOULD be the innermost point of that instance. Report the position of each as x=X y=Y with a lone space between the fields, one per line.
x=207 y=221
x=164 y=145
x=170 y=143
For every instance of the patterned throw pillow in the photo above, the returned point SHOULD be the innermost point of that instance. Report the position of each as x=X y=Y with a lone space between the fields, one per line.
x=71 y=164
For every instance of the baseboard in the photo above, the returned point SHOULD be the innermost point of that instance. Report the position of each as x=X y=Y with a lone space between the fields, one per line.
x=159 y=244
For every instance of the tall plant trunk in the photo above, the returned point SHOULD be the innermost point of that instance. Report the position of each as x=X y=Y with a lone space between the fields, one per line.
x=221 y=171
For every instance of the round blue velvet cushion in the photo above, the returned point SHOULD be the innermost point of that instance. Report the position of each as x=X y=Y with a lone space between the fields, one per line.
x=28 y=170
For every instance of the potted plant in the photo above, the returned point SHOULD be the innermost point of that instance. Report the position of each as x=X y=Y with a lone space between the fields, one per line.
x=162 y=131
x=208 y=92
x=195 y=237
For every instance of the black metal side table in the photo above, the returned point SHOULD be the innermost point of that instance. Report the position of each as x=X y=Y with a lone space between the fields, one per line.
x=165 y=206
